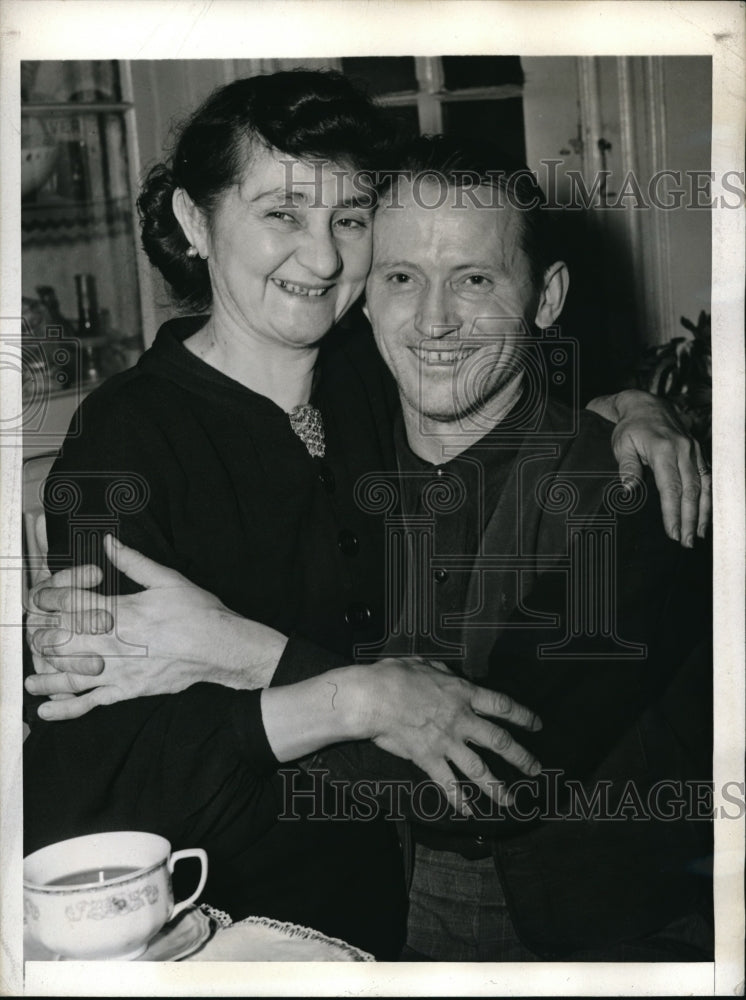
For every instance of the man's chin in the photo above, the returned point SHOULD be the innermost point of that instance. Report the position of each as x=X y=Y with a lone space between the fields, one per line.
x=443 y=420
x=438 y=411
x=443 y=416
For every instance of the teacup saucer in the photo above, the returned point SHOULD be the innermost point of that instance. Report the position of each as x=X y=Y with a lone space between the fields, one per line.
x=180 y=938
x=175 y=941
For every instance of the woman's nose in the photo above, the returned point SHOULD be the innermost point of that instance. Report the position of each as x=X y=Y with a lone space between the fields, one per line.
x=436 y=317
x=319 y=254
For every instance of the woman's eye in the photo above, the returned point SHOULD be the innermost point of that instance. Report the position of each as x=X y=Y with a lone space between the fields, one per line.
x=399 y=278
x=282 y=216
x=351 y=224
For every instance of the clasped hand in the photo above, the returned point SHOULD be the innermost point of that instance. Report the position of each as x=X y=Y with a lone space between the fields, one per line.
x=423 y=712
x=164 y=641
x=159 y=641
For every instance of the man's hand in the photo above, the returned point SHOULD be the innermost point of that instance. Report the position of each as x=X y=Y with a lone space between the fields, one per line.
x=160 y=641
x=419 y=710
x=648 y=432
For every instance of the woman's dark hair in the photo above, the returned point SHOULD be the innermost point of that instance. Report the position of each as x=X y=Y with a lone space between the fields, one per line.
x=456 y=162
x=305 y=113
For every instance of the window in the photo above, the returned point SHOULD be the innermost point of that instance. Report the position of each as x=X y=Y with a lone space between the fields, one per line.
x=463 y=95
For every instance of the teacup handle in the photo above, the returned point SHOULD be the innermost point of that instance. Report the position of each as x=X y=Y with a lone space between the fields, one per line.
x=190 y=852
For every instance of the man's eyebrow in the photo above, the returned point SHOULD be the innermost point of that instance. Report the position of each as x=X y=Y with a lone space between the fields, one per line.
x=481 y=265
x=391 y=262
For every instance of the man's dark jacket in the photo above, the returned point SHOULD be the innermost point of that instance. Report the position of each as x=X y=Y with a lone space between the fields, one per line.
x=613 y=840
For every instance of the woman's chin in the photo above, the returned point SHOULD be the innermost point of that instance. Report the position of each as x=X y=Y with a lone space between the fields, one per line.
x=305 y=325
x=303 y=334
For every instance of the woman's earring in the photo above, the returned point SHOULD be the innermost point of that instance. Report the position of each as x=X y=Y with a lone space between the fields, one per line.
x=192 y=252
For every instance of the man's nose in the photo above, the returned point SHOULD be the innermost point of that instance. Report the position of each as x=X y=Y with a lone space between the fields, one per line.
x=319 y=253
x=436 y=316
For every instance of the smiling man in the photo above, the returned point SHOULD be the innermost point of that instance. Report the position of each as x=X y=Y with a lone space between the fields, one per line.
x=548 y=582
x=453 y=292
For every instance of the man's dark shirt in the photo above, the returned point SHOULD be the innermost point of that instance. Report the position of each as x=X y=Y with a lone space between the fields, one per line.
x=479 y=474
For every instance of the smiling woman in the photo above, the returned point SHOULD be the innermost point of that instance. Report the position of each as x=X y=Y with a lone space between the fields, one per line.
x=272 y=241
x=287 y=257
x=251 y=219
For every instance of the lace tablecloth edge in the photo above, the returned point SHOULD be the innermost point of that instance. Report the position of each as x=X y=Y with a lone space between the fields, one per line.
x=224 y=920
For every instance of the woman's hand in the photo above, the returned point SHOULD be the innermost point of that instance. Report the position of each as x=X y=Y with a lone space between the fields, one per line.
x=420 y=710
x=413 y=708
x=648 y=432
x=171 y=635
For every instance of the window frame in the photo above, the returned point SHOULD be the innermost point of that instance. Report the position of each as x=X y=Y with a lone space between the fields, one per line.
x=431 y=93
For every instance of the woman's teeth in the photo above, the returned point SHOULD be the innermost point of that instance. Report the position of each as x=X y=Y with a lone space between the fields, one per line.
x=312 y=293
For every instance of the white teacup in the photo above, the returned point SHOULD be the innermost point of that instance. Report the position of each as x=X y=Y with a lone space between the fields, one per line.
x=103 y=896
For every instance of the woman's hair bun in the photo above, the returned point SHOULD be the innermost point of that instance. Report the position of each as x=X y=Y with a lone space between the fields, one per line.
x=166 y=245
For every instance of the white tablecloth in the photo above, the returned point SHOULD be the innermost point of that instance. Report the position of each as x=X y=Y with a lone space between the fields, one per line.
x=259 y=939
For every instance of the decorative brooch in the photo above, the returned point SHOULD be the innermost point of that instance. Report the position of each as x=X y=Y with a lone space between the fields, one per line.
x=307 y=423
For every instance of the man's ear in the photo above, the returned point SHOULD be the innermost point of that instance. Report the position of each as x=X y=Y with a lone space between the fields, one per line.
x=553 y=294
x=191 y=220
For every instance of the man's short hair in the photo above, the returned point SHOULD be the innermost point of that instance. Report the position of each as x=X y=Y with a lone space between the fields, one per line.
x=467 y=162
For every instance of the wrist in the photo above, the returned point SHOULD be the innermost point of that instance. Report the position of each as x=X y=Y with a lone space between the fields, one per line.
x=351 y=701
x=301 y=718
x=605 y=406
x=245 y=654
x=632 y=403
x=375 y=694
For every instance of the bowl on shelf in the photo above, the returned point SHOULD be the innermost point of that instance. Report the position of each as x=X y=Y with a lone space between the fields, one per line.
x=37 y=163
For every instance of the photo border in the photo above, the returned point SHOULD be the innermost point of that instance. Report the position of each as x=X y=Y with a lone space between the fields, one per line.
x=152 y=29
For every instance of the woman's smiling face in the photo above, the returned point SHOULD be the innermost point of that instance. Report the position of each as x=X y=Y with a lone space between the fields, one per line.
x=288 y=248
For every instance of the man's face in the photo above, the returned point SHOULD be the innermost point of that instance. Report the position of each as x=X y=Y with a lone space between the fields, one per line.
x=449 y=296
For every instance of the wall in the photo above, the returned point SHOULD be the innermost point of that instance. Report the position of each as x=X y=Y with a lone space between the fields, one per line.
x=655 y=114
x=636 y=272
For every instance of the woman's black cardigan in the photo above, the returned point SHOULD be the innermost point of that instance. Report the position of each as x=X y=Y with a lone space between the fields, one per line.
x=205 y=476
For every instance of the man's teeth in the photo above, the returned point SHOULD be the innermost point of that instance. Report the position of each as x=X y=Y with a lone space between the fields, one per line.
x=444 y=357
x=301 y=290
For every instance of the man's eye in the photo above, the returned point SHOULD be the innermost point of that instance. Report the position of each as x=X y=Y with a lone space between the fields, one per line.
x=477 y=281
x=282 y=216
x=399 y=278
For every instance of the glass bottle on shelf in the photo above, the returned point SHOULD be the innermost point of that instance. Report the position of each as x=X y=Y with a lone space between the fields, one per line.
x=73 y=173
x=88 y=326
